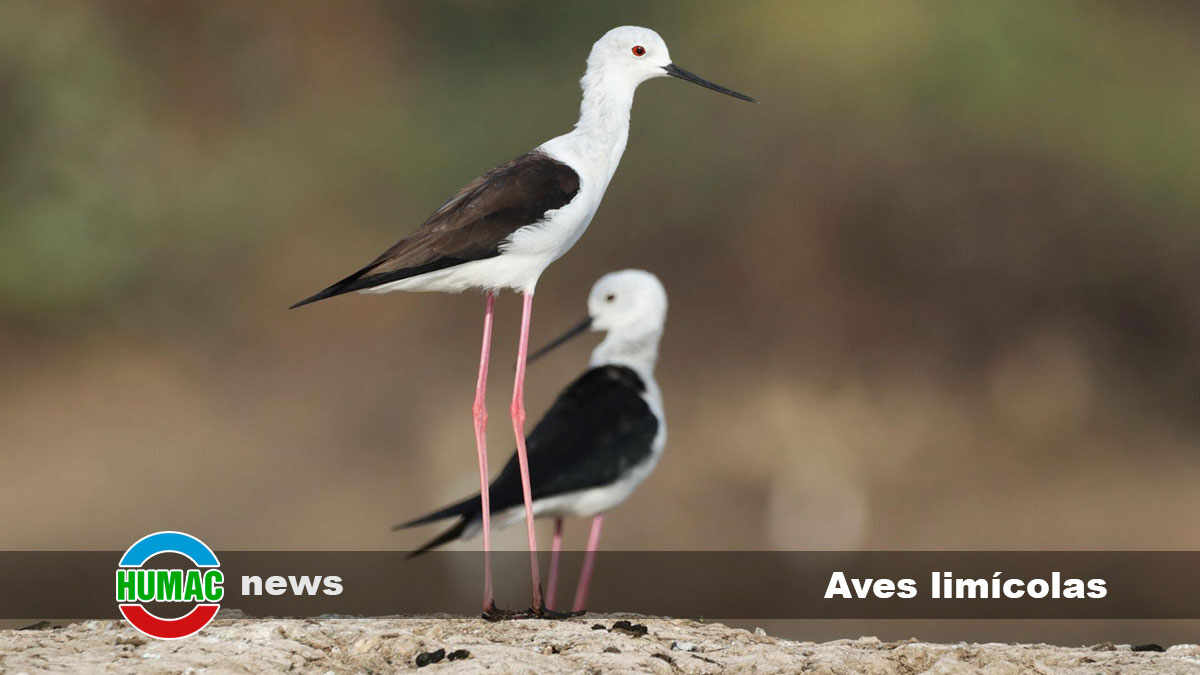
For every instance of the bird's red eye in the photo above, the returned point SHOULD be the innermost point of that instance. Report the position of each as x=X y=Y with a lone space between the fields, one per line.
x=639 y=50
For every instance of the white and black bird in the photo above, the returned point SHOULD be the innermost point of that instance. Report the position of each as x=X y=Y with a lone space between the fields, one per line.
x=600 y=439
x=503 y=229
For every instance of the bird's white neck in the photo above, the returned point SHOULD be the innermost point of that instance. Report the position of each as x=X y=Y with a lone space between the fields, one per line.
x=638 y=352
x=602 y=131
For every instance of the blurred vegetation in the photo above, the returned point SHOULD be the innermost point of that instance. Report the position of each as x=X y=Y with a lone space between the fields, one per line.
x=958 y=235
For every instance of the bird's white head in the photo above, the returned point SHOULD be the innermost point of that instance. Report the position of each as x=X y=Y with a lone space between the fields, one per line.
x=630 y=302
x=622 y=59
x=629 y=55
x=631 y=307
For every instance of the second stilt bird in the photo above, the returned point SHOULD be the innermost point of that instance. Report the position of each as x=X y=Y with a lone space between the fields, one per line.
x=503 y=229
x=602 y=436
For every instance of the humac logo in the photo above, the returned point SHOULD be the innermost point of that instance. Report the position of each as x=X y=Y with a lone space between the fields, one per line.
x=139 y=585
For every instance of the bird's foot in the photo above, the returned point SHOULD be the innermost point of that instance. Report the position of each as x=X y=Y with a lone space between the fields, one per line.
x=544 y=613
x=493 y=613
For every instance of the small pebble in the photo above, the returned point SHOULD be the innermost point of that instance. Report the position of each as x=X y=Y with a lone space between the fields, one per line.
x=634 y=629
x=426 y=658
x=458 y=655
x=1148 y=647
x=611 y=650
x=598 y=626
x=684 y=646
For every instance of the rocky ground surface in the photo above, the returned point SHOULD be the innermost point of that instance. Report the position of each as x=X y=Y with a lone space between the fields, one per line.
x=588 y=644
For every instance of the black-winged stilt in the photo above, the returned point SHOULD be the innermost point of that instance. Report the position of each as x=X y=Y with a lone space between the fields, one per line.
x=503 y=230
x=602 y=436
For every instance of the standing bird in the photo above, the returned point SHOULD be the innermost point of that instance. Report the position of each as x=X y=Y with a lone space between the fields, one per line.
x=503 y=229
x=603 y=435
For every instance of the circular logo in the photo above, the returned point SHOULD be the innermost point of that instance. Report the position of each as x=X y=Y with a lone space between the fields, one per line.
x=139 y=585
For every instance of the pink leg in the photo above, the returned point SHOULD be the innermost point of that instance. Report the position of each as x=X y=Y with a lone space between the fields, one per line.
x=555 y=550
x=479 y=411
x=589 y=564
x=518 y=420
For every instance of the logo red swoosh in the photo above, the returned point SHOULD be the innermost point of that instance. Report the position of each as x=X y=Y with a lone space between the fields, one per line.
x=169 y=629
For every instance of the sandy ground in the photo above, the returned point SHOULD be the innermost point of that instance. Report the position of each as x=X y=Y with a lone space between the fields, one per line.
x=589 y=644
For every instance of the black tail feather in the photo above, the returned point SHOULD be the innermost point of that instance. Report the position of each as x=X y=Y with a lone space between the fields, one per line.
x=350 y=283
x=466 y=508
x=448 y=536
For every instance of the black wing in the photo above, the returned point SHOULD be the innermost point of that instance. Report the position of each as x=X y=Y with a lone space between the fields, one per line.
x=598 y=428
x=472 y=224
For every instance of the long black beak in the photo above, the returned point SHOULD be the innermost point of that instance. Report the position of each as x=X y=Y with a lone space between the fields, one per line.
x=582 y=327
x=675 y=71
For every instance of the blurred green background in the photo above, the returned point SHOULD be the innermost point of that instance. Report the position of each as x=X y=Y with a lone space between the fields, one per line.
x=937 y=290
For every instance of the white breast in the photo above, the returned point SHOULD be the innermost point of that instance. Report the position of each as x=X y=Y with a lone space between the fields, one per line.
x=548 y=240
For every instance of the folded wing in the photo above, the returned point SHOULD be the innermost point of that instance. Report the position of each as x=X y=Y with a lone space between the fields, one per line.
x=472 y=225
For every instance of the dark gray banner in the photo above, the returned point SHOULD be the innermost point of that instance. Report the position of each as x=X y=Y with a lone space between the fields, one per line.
x=717 y=585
